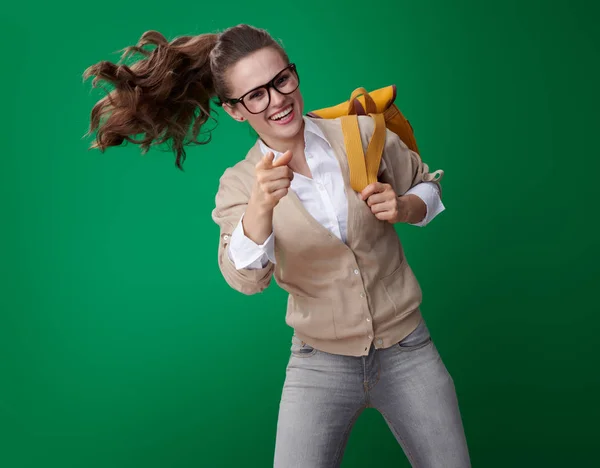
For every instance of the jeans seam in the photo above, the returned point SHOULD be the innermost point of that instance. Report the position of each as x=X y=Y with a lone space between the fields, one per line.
x=378 y=371
x=340 y=450
x=401 y=440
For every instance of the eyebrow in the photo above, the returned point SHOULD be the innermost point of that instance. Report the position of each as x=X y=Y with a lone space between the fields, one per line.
x=262 y=85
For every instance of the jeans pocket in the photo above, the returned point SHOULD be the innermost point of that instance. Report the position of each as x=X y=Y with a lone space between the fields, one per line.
x=301 y=349
x=418 y=338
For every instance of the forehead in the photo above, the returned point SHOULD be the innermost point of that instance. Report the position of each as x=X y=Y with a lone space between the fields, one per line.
x=254 y=70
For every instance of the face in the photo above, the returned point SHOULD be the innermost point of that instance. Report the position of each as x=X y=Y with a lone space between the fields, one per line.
x=281 y=122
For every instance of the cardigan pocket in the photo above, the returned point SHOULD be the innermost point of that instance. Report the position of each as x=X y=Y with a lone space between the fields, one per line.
x=402 y=290
x=312 y=316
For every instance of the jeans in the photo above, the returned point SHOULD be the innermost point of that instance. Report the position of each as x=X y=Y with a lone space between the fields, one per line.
x=408 y=384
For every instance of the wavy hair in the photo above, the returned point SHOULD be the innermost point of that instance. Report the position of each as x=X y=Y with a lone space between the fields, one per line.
x=166 y=96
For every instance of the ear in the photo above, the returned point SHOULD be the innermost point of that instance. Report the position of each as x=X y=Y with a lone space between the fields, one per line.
x=233 y=112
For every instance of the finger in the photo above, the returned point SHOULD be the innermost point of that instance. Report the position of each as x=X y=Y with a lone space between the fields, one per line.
x=377 y=198
x=274 y=185
x=284 y=172
x=284 y=159
x=381 y=207
x=279 y=194
x=371 y=189
x=385 y=216
x=266 y=162
x=277 y=173
x=367 y=191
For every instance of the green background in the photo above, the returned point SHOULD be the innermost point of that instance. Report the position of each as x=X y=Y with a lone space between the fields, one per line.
x=122 y=346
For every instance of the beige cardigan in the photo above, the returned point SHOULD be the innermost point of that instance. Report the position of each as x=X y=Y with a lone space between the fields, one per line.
x=343 y=297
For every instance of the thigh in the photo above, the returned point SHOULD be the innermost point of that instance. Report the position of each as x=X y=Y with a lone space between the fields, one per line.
x=417 y=398
x=323 y=394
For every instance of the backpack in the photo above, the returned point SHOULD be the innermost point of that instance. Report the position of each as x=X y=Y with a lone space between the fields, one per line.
x=379 y=104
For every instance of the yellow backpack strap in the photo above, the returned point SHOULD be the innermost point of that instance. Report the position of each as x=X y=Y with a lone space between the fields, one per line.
x=355 y=152
x=363 y=171
x=370 y=105
x=375 y=148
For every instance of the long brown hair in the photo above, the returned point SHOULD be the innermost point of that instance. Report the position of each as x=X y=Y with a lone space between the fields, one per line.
x=166 y=96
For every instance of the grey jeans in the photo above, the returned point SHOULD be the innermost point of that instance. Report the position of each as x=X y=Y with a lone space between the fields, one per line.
x=408 y=384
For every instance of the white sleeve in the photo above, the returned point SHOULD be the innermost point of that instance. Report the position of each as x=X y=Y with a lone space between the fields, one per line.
x=246 y=254
x=430 y=194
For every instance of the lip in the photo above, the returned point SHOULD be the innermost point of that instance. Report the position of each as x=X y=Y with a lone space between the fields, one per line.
x=282 y=109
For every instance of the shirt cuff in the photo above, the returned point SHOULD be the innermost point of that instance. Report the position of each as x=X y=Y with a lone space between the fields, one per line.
x=430 y=194
x=246 y=254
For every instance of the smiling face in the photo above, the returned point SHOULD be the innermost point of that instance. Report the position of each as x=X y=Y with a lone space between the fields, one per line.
x=281 y=122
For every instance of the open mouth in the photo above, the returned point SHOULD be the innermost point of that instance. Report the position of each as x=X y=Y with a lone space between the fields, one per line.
x=284 y=116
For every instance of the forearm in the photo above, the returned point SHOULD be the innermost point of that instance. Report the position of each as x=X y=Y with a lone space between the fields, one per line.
x=246 y=254
x=257 y=222
x=411 y=209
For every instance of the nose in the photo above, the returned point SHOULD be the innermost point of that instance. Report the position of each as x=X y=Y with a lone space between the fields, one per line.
x=277 y=98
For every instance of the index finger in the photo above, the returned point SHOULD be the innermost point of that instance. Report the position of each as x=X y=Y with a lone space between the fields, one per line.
x=284 y=159
x=371 y=189
x=266 y=161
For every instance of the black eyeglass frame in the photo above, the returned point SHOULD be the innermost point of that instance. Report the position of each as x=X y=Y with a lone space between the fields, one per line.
x=267 y=86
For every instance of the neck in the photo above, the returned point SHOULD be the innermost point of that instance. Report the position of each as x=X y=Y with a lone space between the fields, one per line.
x=295 y=144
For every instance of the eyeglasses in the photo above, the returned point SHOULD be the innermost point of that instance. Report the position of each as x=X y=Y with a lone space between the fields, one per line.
x=258 y=99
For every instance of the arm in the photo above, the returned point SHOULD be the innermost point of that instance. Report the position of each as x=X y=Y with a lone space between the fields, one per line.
x=246 y=254
x=424 y=203
x=406 y=192
x=250 y=209
x=231 y=204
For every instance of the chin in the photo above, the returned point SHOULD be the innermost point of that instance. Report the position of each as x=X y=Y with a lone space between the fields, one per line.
x=285 y=129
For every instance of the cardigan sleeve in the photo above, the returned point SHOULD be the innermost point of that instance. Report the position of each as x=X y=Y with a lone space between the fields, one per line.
x=230 y=204
x=403 y=169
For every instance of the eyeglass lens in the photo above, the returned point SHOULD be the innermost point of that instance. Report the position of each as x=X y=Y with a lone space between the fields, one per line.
x=258 y=100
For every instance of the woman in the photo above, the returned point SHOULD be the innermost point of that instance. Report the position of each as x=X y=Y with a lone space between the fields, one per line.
x=288 y=210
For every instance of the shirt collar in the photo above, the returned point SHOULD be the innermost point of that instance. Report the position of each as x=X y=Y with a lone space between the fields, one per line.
x=312 y=133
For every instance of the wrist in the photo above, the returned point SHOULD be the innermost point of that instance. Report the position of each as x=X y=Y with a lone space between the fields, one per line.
x=411 y=209
x=259 y=207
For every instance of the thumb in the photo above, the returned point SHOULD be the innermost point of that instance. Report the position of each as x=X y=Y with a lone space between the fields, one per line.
x=284 y=160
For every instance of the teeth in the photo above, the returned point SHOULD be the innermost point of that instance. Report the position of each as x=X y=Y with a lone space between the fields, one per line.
x=282 y=114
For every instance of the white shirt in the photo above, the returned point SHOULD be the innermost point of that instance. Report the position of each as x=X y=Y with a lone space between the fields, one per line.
x=323 y=196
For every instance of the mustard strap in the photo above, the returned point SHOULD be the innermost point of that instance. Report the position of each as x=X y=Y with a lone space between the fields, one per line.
x=363 y=171
x=370 y=105
x=375 y=148
x=355 y=153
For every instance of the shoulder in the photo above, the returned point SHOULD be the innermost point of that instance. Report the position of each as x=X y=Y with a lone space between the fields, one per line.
x=241 y=175
x=332 y=128
x=365 y=123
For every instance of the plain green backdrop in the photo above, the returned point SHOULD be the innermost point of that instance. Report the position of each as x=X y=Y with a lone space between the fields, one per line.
x=122 y=346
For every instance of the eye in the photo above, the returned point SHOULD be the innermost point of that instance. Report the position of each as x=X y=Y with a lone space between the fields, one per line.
x=282 y=79
x=257 y=94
